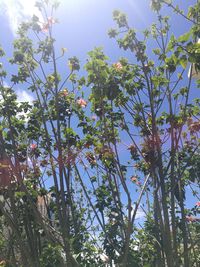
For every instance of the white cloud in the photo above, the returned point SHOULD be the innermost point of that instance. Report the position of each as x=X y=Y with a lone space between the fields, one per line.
x=18 y=11
x=23 y=96
x=140 y=214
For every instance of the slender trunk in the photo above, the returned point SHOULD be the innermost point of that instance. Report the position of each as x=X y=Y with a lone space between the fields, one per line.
x=159 y=260
x=184 y=228
x=167 y=233
x=172 y=176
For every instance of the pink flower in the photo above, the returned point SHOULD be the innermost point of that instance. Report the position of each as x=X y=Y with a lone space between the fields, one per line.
x=51 y=21
x=134 y=179
x=118 y=66
x=45 y=27
x=192 y=219
x=81 y=102
x=194 y=127
x=189 y=218
x=198 y=204
x=33 y=146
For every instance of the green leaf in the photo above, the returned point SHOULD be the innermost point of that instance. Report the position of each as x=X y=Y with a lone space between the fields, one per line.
x=185 y=37
x=183 y=62
x=171 y=43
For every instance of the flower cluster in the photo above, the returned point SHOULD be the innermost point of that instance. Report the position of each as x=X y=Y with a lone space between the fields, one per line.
x=192 y=219
x=118 y=66
x=198 y=204
x=33 y=146
x=70 y=160
x=149 y=148
x=194 y=127
x=134 y=179
x=45 y=27
x=81 y=102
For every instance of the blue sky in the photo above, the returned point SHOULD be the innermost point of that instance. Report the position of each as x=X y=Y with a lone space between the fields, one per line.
x=83 y=24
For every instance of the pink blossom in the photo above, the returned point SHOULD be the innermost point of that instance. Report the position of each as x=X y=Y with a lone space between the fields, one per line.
x=189 y=218
x=192 y=219
x=81 y=102
x=51 y=21
x=33 y=146
x=198 y=204
x=118 y=66
x=45 y=27
x=134 y=179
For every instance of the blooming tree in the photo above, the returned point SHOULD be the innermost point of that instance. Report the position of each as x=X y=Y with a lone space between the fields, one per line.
x=76 y=169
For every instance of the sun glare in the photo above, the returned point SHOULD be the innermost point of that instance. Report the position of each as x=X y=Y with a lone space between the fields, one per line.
x=18 y=10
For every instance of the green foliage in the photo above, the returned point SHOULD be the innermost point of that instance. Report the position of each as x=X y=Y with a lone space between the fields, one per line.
x=51 y=256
